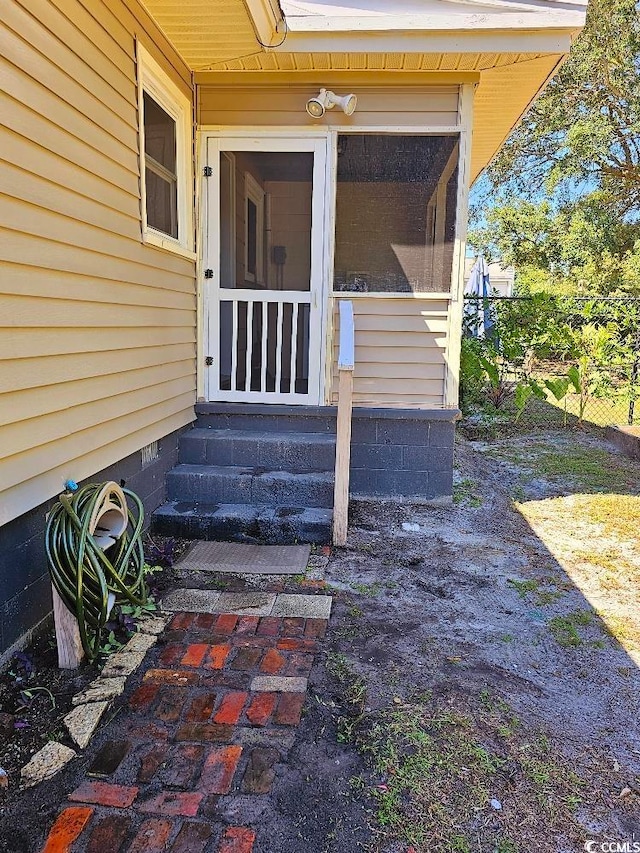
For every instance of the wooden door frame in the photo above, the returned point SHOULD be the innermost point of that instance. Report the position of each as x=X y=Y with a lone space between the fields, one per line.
x=208 y=200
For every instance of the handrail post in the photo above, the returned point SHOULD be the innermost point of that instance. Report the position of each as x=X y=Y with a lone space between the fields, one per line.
x=346 y=361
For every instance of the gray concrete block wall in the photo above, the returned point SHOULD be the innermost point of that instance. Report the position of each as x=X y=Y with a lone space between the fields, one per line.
x=25 y=589
x=402 y=454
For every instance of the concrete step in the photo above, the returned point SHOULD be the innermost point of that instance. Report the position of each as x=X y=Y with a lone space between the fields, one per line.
x=245 y=485
x=268 y=525
x=267 y=417
x=278 y=451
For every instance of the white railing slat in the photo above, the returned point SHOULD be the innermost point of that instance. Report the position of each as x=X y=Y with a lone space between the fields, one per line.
x=293 y=369
x=279 y=320
x=234 y=347
x=249 y=352
x=265 y=330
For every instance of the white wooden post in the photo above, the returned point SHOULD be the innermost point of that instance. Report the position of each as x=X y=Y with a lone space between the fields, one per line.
x=70 y=652
x=346 y=359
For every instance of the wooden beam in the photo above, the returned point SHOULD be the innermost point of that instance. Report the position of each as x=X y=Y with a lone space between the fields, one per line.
x=346 y=360
x=70 y=652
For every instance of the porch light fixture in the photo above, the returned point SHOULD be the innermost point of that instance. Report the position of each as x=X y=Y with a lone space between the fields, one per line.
x=325 y=100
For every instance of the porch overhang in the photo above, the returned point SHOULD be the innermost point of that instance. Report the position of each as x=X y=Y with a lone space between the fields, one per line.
x=508 y=48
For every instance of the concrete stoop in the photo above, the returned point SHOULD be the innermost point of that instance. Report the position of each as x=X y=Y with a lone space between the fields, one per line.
x=252 y=477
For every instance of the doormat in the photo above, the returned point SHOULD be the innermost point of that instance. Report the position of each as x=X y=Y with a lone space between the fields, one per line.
x=245 y=559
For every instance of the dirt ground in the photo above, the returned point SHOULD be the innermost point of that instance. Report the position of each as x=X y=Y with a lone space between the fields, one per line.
x=479 y=688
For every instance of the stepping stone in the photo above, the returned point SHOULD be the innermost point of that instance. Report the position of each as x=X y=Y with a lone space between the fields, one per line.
x=246 y=603
x=83 y=721
x=304 y=606
x=191 y=600
x=44 y=764
x=100 y=690
x=278 y=684
x=208 y=601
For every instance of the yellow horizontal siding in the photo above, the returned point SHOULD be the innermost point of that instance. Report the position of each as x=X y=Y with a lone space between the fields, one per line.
x=31 y=403
x=32 y=157
x=26 y=373
x=47 y=283
x=24 y=312
x=30 y=125
x=400 y=352
x=79 y=32
x=422 y=107
x=97 y=329
x=32 y=250
x=38 y=434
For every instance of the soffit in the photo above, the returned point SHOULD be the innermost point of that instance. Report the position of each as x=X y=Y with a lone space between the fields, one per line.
x=502 y=96
x=354 y=62
x=206 y=32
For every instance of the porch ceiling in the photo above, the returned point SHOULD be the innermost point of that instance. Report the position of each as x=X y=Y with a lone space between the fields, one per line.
x=509 y=48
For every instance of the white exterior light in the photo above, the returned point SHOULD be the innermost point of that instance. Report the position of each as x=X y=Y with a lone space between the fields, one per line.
x=325 y=100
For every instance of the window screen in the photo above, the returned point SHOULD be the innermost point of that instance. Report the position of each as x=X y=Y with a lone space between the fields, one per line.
x=395 y=213
x=160 y=168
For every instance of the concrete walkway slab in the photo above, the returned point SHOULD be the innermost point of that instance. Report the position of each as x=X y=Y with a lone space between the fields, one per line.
x=191 y=600
x=249 y=603
x=246 y=603
x=304 y=606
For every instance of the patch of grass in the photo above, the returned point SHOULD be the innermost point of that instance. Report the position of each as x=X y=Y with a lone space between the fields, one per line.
x=371 y=590
x=437 y=768
x=617 y=513
x=622 y=629
x=580 y=467
x=523 y=587
x=507 y=638
x=465 y=492
x=546 y=597
x=355 y=611
x=542 y=597
x=565 y=628
x=354 y=695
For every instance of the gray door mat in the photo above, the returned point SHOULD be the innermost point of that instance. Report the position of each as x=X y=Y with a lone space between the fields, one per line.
x=246 y=559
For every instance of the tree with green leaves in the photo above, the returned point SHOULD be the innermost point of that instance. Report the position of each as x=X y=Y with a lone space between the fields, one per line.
x=582 y=135
x=561 y=200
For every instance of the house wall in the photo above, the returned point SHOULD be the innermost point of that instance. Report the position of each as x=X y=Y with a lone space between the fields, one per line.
x=404 y=346
x=400 y=352
x=97 y=348
x=97 y=329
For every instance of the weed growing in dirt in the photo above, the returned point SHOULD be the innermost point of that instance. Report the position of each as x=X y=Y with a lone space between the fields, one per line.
x=441 y=776
x=543 y=597
x=523 y=587
x=371 y=590
x=353 y=698
x=565 y=628
x=466 y=492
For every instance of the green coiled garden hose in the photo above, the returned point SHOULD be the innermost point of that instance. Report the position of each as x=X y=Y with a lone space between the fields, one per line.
x=91 y=568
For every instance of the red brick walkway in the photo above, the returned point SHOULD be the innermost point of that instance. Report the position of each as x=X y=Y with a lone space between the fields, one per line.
x=213 y=716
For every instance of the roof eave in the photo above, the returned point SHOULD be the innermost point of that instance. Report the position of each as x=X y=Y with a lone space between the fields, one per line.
x=268 y=21
x=539 y=40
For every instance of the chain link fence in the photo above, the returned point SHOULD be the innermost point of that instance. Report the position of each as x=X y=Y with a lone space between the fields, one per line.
x=550 y=362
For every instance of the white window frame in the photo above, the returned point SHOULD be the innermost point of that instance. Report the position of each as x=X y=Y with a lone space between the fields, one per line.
x=254 y=192
x=157 y=84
